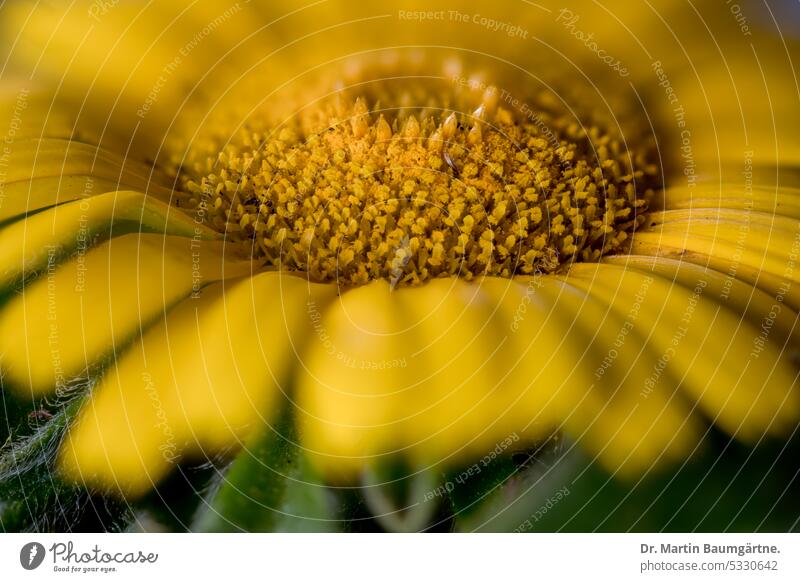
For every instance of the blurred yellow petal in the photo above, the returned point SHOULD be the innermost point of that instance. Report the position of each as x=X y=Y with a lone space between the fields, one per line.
x=29 y=112
x=630 y=434
x=745 y=386
x=406 y=373
x=352 y=382
x=739 y=297
x=137 y=68
x=450 y=378
x=453 y=405
x=621 y=356
x=195 y=384
x=42 y=172
x=27 y=245
x=83 y=310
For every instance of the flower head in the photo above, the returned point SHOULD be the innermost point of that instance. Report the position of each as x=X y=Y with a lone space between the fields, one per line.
x=417 y=249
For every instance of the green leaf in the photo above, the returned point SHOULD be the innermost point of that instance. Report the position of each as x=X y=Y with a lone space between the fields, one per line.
x=270 y=486
x=22 y=416
x=172 y=505
x=400 y=498
x=525 y=491
x=468 y=487
x=27 y=488
x=34 y=498
x=725 y=486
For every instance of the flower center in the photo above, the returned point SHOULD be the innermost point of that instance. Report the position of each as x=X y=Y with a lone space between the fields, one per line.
x=349 y=193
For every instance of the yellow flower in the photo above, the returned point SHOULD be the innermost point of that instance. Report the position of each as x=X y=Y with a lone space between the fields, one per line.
x=428 y=229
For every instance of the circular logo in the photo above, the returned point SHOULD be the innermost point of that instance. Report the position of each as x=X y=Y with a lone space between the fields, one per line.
x=31 y=555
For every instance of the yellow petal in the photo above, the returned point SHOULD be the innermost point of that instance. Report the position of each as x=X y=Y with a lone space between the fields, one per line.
x=739 y=297
x=760 y=239
x=26 y=245
x=744 y=384
x=761 y=266
x=134 y=66
x=459 y=402
x=27 y=111
x=451 y=370
x=195 y=384
x=76 y=313
x=629 y=433
x=783 y=201
x=352 y=382
x=764 y=257
x=42 y=172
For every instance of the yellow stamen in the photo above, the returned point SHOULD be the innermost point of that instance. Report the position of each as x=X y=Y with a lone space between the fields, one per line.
x=349 y=195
